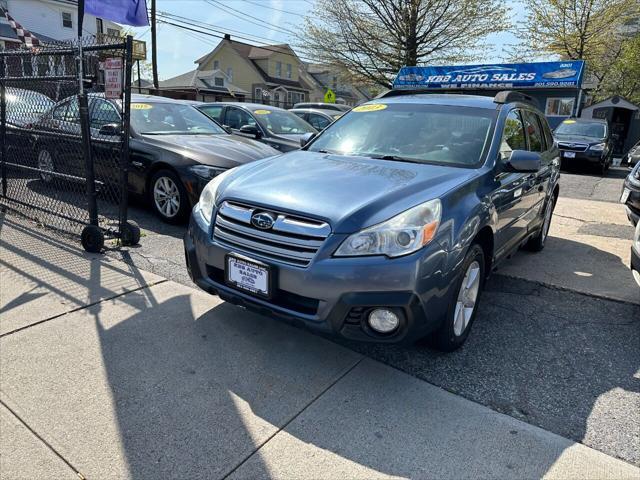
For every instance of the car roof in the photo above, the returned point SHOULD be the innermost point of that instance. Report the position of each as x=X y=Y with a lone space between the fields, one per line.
x=452 y=99
x=586 y=120
x=247 y=106
x=331 y=113
x=339 y=106
x=137 y=97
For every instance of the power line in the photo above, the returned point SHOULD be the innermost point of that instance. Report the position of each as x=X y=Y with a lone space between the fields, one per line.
x=215 y=28
x=258 y=4
x=184 y=27
x=242 y=15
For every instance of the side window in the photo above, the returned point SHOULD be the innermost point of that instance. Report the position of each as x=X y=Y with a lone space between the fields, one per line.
x=318 y=121
x=73 y=112
x=102 y=113
x=513 y=135
x=60 y=112
x=534 y=131
x=213 y=111
x=547 y=132
x=237 y=118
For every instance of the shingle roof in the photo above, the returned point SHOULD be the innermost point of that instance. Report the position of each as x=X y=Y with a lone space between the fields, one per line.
x=7 y=32
x=200 y=80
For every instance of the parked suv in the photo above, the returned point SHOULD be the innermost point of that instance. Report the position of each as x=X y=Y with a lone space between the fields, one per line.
x=585 y=143
x=385 y=226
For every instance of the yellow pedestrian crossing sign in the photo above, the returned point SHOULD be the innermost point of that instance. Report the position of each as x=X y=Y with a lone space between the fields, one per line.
x=329 y=97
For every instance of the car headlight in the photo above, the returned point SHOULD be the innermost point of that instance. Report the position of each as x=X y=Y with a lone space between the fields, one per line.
x=598 y=147
x=400 y=235
x=206 y=172
x=209 y=196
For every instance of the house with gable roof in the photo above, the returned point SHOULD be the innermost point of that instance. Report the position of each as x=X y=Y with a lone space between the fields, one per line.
x=238 y=71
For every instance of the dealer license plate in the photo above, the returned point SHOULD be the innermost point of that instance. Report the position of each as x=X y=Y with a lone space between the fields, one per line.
x=569 y=154
x=625 y=195
x=247 y=275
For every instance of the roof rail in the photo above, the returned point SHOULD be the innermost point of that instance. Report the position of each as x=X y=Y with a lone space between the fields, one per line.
x=508 y=96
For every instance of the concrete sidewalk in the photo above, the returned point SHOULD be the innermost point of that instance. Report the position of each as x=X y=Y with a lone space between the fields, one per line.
x=110 y=372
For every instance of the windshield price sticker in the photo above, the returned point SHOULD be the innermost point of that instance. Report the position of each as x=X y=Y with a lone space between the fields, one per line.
x=569 y=121
x=262 y=112
x=141 y=106
x=370 y=108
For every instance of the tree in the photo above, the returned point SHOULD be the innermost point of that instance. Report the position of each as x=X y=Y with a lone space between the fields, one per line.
x=372 y=39
x=591 y=30
x=624 y=76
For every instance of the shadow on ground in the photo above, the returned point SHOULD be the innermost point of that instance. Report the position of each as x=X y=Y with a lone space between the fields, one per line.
x=194 y=390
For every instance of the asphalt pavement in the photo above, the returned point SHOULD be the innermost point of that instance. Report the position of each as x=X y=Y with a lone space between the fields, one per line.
x=563 y=358
x=112 y=372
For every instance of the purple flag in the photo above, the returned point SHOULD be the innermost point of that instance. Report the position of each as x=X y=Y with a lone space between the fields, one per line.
x=126 y=12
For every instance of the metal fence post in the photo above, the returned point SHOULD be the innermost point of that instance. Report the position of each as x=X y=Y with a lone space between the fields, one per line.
x=85 y=129
x=3 y=128
x=124 y=157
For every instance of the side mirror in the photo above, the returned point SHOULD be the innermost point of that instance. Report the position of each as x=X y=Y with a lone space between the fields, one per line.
x=306 y=138
x=251 y=130
x=524 y=161
x=110 y=129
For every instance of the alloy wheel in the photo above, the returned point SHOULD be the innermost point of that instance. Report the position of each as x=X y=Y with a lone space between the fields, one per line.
x=467 y=298
x=45 y=164
x=166 y=196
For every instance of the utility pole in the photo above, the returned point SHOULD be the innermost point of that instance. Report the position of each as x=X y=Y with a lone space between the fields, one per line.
x=154 y=50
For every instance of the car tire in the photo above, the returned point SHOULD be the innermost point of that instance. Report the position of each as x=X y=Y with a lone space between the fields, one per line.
x=464 y=303
x=45 y=163
x=168 y=197
x=537 y=243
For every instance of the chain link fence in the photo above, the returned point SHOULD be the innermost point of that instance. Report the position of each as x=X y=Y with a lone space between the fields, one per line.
x=64 y=152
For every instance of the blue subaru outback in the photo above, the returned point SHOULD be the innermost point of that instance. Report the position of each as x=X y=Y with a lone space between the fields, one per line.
x=385 y=226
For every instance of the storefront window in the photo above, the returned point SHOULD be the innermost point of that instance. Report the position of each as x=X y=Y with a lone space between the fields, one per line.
x=559 y=107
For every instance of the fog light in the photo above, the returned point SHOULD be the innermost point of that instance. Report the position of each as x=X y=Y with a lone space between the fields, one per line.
x=383 y=320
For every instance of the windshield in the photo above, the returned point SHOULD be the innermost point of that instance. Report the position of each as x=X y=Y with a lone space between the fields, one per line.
x=281 y=122
x=171 y=119
x=23 y=102
x=570 y=127
x=411 y=132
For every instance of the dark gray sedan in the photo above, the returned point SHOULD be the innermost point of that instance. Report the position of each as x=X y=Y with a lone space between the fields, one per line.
x=174 y=148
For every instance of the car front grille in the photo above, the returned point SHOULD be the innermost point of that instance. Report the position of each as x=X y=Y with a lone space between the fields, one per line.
x=292 y=240
x=574 y=147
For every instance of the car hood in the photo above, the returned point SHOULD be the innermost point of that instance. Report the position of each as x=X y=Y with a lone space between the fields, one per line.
x=349 y=192
x=225 y=151
x=578 y=139
x=22 y=119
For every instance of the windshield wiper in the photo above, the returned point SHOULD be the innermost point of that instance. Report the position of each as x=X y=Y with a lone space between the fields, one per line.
x=396 y=158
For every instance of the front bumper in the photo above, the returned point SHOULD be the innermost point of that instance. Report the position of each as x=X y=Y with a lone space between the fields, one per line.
x=333 y=295
x=587 y=156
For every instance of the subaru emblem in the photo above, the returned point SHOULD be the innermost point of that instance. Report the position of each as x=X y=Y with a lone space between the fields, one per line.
x=263 y=220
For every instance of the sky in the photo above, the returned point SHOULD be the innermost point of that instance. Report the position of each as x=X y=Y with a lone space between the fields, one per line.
x=178 y=49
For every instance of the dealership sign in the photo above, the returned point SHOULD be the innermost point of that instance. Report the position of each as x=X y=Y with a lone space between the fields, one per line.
x=507 y=75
